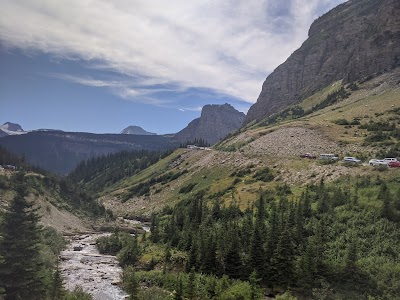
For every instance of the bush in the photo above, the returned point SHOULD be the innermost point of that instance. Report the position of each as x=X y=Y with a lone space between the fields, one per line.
x=187 y=188
x=110 y=245
x=77 y=294
x=265 y=175
x=341 y=122
x=286 y=296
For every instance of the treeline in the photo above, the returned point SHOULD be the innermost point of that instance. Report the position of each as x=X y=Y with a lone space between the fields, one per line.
x=196 y=142
x=8 y=158
x=329 y=241
x=98 y=172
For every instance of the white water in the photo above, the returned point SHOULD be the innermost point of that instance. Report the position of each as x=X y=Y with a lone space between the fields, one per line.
x=97 y=274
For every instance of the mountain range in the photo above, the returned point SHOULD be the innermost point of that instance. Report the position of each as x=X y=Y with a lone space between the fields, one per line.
x=60 y=151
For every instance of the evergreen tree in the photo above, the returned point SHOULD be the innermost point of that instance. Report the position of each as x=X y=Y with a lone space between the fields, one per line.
x=283 y=261
x=179 y=290
x=233 y=262
x=129 y=254
x=385 y=197
x=351 y=258
x=307 y=265
x=192 y=259
x=130 y=283
x=57 y=288
x=154 y=229
x=257 y=250
x=255 y=292
x=20 y=235
x=192 y=285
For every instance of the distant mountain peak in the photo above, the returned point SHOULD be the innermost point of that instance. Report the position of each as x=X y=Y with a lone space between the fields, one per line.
x=215 y=122
x=136 y=130
x=9 y=128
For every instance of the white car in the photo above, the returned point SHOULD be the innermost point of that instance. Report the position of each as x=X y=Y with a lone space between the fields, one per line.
x=389 y=159
x=377 y=162
x=351 y=159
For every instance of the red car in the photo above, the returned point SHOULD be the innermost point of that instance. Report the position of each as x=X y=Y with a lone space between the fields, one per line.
x=308 y=155
x=394 y=164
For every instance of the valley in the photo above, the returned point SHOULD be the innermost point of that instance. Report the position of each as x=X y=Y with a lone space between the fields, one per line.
x=298 y=199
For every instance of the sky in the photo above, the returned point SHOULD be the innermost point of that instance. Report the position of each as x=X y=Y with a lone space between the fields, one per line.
x=100 y=65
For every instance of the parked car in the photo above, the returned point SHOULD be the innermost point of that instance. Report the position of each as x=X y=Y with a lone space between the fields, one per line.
x=351 y=159
x=377 y=162
x=390 y=159
x=394 y=164
x=308 y=155
x=328 y=156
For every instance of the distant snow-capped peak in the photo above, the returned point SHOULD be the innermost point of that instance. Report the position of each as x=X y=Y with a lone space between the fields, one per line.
x=9 y=128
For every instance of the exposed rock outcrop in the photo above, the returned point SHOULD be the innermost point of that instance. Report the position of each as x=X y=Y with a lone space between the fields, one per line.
x=215 y=122
x=357 y=39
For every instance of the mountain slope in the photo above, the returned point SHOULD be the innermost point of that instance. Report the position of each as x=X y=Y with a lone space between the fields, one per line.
x=355 y=40
x=136 y=130
x=229 y=170
x=215 y=122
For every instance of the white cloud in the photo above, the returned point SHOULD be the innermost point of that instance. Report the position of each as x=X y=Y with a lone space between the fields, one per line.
x=228 y=46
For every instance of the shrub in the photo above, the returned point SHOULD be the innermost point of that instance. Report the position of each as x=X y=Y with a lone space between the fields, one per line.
x=187 y=188
x=341 y=122
x=265 y=175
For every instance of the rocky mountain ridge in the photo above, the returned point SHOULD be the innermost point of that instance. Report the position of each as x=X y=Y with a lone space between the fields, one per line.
x=215 y=122
x=357 y=39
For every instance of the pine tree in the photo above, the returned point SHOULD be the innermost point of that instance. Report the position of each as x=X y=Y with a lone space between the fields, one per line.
x=154 y=229
x=129 y=254
x=192 y=259
x=351 y=258
x=57 y=288
x=307 y=265
x=385 y=197
x=257 y=250
x=179 y=290
x=20 y=235
x=233 y=262
x=130 y=283
x=192 y=284
x=283 y=261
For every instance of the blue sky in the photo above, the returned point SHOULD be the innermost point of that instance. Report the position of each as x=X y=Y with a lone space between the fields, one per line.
x=100 y=66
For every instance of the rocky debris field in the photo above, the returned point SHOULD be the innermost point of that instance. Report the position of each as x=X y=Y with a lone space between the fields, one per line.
x=293 y=141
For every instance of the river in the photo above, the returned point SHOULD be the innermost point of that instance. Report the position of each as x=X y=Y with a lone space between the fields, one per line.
x=82 y=265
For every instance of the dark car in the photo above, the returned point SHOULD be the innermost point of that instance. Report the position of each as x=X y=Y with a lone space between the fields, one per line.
x=394 y=164
x=308 y=155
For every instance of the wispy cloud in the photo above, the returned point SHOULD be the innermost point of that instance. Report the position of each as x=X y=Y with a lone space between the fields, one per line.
x=228 y=46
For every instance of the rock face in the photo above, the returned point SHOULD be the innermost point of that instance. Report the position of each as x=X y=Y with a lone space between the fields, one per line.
x=136 y=130
x=215 y=122
x=357 y=39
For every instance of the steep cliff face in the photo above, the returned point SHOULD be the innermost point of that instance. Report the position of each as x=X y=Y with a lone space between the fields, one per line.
x=215 y=122
x=356 y=39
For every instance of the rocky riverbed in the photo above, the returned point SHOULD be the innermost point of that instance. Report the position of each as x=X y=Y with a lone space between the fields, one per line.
x=82 y=265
